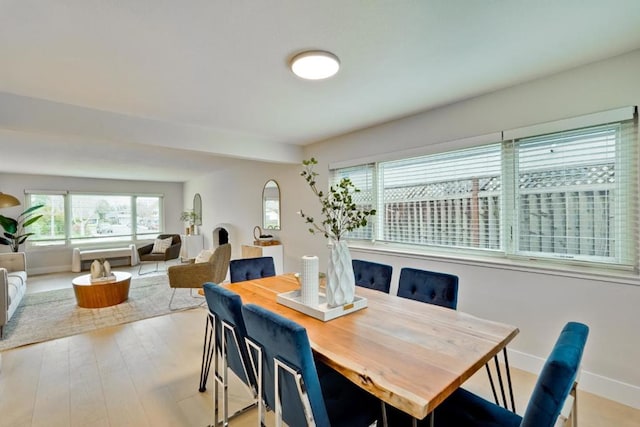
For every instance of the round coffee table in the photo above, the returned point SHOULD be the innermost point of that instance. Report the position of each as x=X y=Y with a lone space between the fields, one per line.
x=97 y=295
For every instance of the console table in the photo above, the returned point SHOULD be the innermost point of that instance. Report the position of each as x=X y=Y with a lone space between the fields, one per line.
x=274 y=251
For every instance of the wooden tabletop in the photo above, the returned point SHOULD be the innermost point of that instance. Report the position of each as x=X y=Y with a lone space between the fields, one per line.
x=410 y=354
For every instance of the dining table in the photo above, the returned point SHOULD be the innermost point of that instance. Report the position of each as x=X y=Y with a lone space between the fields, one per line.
x=409 y=354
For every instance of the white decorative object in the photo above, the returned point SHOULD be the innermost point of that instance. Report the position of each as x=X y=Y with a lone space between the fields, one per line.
x=106 y=268
x=309 y=283
x=322 y=311
x=96 y=269
x=341 y=282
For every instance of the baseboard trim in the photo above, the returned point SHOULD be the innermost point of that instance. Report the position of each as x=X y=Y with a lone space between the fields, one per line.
x=609 y=388
x=49 y=270
x=67 y=268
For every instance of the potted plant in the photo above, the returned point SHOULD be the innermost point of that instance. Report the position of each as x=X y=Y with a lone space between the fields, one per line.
x=340 y=215
x=190 y=218
x=14 y=229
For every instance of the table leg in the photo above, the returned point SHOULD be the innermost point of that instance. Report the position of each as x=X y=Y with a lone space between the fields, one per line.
x=506 y=363
x=429 y=418
x=501 y=382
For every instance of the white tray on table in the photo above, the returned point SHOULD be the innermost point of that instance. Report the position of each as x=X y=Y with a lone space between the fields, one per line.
x=293 y=299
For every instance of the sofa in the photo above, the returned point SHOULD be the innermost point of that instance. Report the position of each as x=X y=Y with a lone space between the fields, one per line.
x=13 y=284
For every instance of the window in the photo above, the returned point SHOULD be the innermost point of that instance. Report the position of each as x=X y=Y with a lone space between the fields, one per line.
x=51 y=227
x=568 y=195
x=573 y=194
x=362 y=178
x=450 y=199
x=100 y=216
x=91 y=218
x=148 y=216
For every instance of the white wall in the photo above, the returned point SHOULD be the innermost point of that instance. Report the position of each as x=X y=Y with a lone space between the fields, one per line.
x=233 y=196
x=46 y=260
x=538 y=303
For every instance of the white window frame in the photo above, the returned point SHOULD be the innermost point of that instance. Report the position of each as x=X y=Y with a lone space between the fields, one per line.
x=69 y=240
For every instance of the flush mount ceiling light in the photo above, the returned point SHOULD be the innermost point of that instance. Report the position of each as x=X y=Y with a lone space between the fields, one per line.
x=315 y=65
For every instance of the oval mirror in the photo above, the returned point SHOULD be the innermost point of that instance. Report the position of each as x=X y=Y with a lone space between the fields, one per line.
x=271 y=206
x=197 y=208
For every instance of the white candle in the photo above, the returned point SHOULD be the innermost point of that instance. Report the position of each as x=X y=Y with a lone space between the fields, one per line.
x=309 y=280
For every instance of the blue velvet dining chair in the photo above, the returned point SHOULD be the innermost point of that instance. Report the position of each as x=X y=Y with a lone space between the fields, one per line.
x=301 y=391
x=225 y=336
x=372 y=275
x=251 y=268
x=429 y=286
x=556 y=382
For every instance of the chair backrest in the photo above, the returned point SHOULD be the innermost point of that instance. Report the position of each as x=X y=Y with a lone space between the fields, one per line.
x=557 y=377
x=282 y=339
x=429 y=286
x=372 y=275
x=220 y=263
x=251 y=268
x=226 y=306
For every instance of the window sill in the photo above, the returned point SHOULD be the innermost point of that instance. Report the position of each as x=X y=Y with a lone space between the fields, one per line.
x=585 y=272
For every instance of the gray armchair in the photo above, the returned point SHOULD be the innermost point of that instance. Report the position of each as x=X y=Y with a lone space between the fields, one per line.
x=194 y=275
x=145 y=253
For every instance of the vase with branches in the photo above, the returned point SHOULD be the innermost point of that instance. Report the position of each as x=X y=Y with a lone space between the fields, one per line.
x=340 y=215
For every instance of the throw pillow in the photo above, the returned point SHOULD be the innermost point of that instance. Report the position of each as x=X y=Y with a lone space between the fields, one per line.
x=161 y=245
x=204 y=256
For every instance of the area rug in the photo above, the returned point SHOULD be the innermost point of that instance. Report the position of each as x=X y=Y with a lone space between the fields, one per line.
x=49 y=315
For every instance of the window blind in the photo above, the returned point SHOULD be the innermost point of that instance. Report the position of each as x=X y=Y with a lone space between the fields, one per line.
x=575 y=194
x=362 y=177
x=563 y=194
x=449 y=199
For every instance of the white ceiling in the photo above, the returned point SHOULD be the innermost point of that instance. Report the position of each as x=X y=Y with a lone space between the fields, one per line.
x=180 y=83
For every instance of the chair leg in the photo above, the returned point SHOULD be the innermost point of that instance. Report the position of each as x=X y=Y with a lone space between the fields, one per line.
x=146 y=272
x=171 y=300
x=207 y=355
x=574 y=409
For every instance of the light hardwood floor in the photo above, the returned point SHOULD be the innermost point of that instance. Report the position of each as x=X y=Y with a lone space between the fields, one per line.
x=147 y=373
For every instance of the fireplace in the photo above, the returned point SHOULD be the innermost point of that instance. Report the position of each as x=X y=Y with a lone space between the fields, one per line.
x=222 y=234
